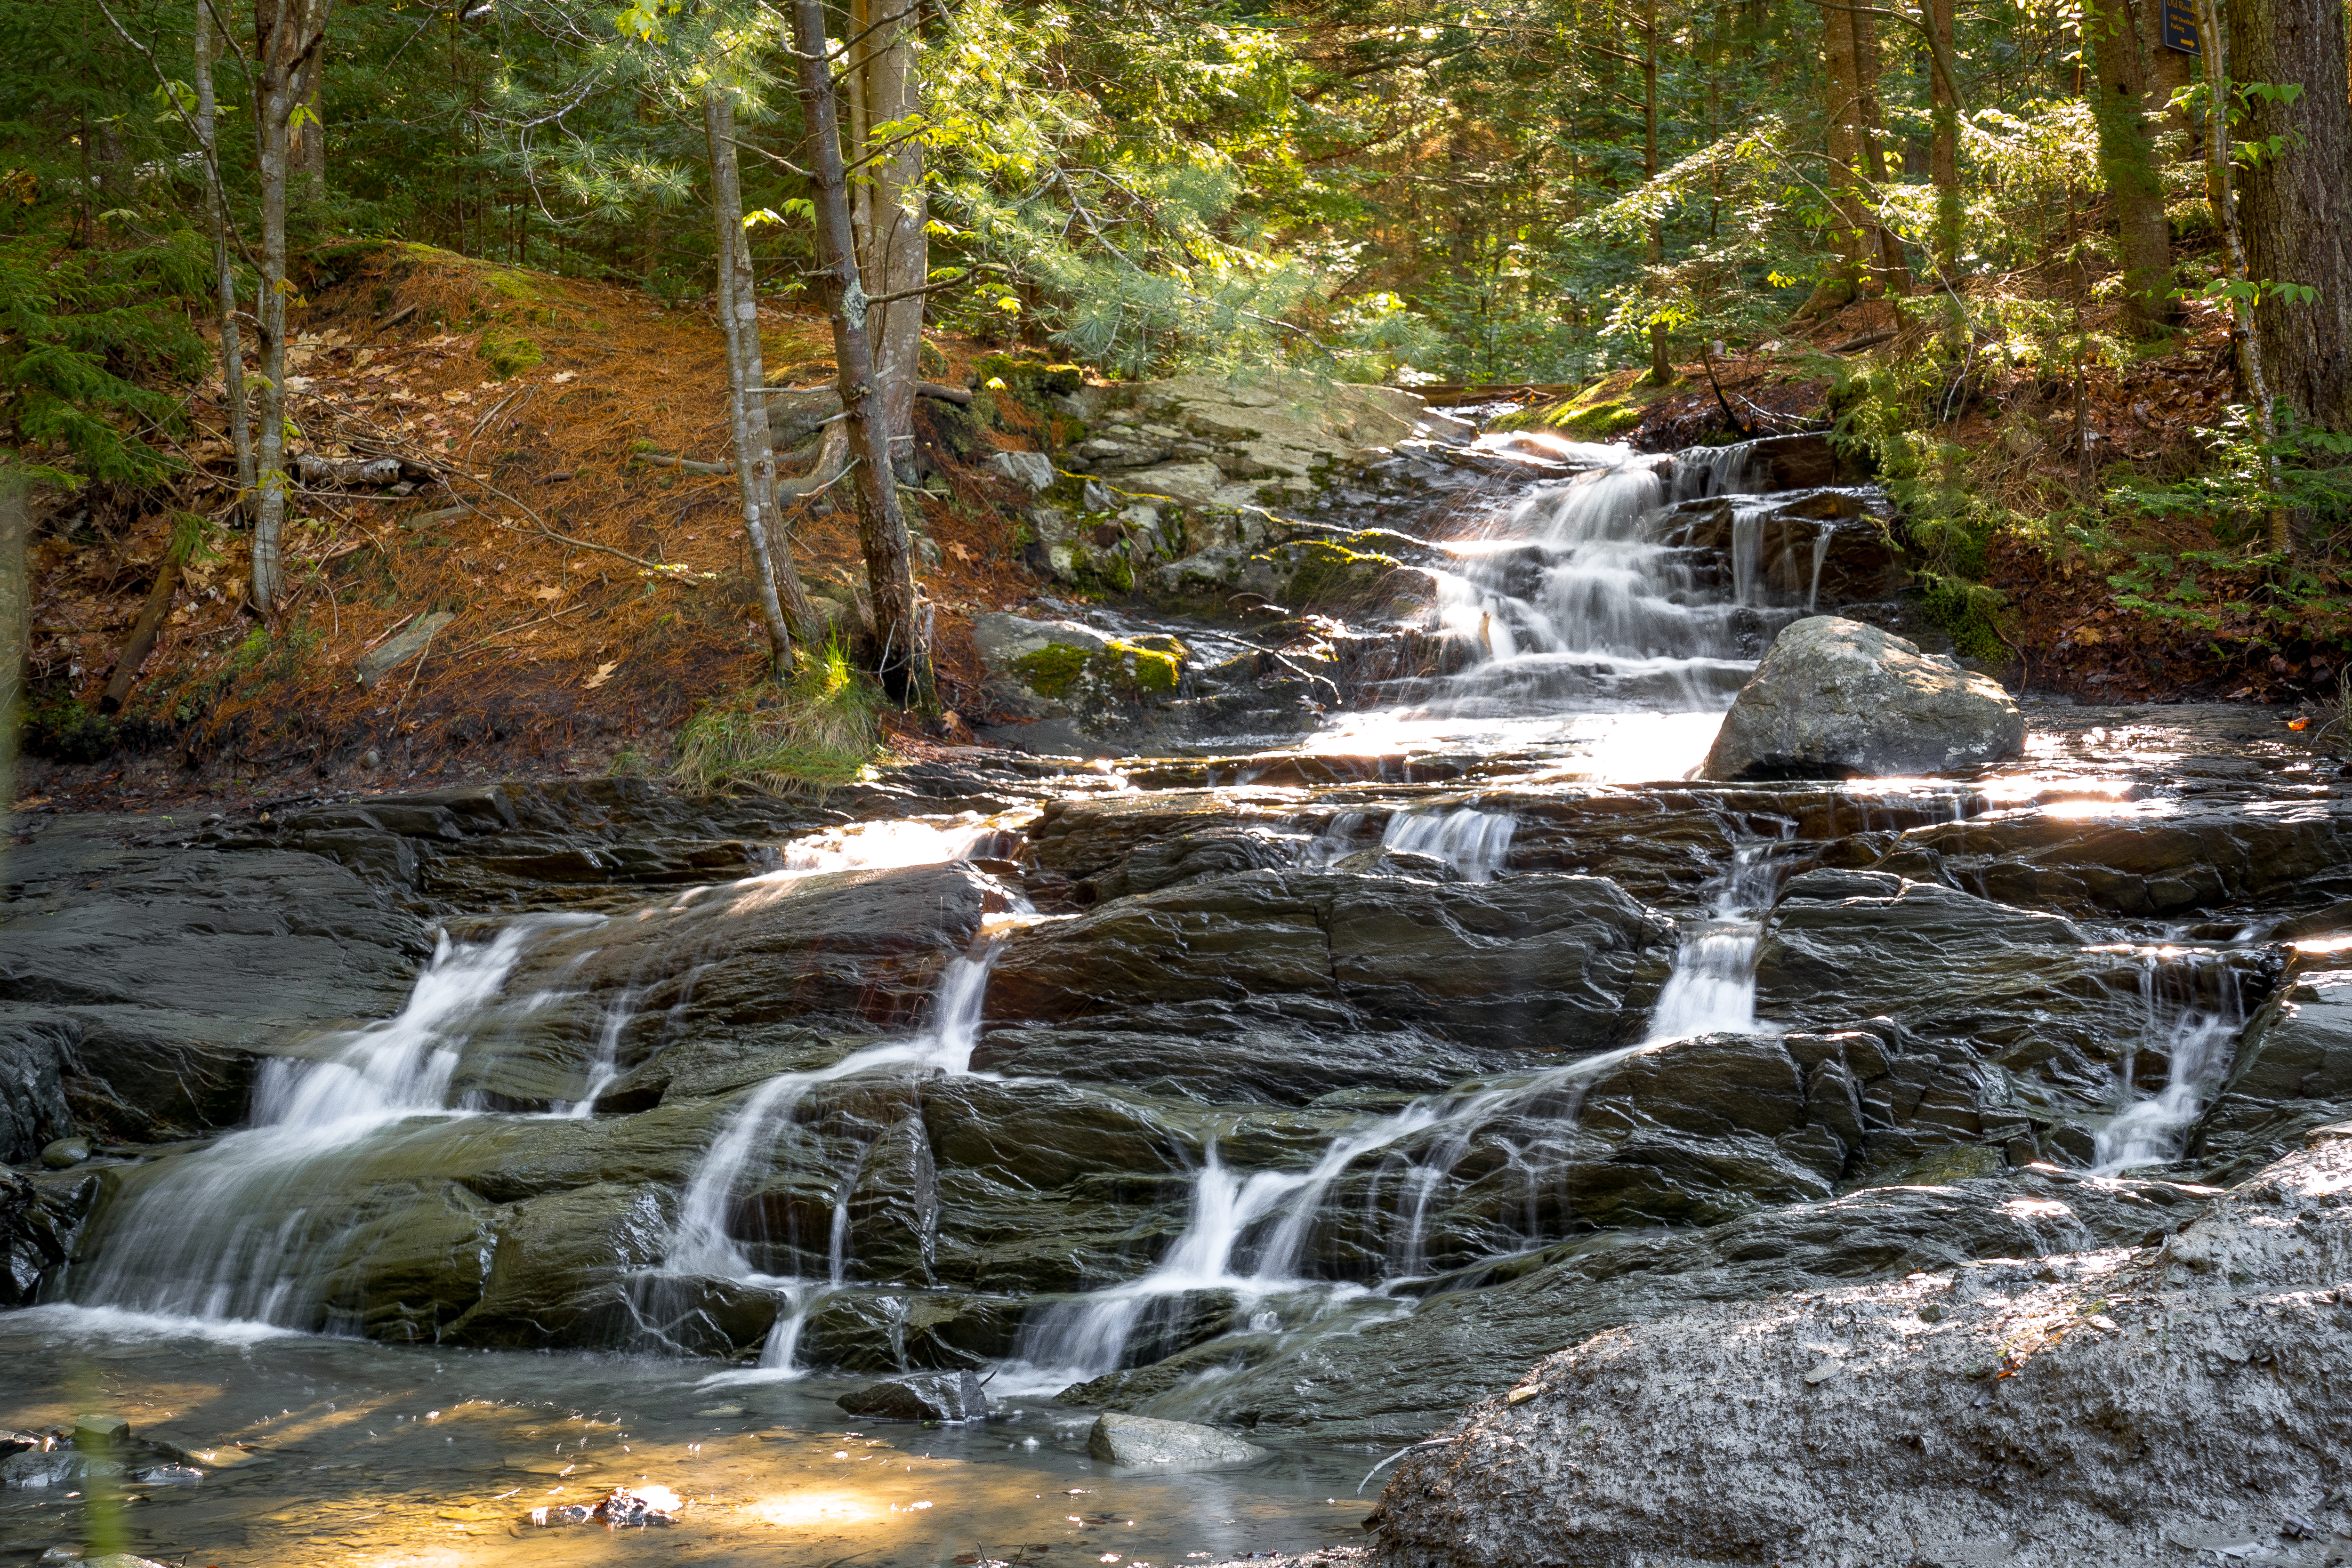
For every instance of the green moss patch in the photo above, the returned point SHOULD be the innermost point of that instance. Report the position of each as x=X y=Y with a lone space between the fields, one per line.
x=1607 y=408
x=507 y=353
x=1052 y=670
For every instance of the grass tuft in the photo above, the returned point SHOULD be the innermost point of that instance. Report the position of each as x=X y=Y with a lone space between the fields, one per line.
x=803 y=736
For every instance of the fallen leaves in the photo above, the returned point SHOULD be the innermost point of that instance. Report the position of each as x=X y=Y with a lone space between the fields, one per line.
x=604 y=673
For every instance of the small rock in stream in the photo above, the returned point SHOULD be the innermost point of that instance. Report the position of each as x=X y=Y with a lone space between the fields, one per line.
x=622 y=1508
x=920 y=1397
x=65 y=1152
x=1141 y=1442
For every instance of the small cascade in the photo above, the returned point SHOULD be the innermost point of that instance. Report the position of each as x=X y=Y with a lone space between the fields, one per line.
x=1471 y=841
x=705 y=1241
x=2199 y=1032
x=1250 y=1237
x=1712 y=988
x=226 y=1234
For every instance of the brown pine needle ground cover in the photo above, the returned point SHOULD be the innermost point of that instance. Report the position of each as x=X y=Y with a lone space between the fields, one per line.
x=596 y=600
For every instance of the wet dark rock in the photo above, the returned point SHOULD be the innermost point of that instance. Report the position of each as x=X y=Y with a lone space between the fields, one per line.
x=1836 y=698
x=2293 y=1074
x=941 y=1396
x=1141 y=1442
x=1475 y=1336
x=40 y=1217
x=1986 y=1010
x=236 y=953
x=65 y=1153
x=2162 y=864
x=2114 y=1405
x=36 y=1055
x=1563 y=962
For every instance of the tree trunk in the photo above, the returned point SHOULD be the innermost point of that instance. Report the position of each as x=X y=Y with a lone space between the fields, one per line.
x=287 y=36
x=1884 y=247
x=904 y=664
x=892 y=211
x=1841 y=284
x=2127 y=164
x=232 y=349
x=1662 y=363
x=1944 y=144
x=783 y=603
x=2219 y=185
x=2294 y=208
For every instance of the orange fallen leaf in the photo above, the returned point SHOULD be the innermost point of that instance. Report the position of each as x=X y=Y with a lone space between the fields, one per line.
x=2298 y=723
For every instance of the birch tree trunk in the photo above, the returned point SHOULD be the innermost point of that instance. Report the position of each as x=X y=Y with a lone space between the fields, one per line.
x=2127 y=163
x=2294 y=206
x=783 y=603
x=231 y=349
x=287 y=36
x=890 y=210
x=905 y=662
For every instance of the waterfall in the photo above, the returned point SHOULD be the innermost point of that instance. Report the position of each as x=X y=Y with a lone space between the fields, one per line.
x=226 y=1234
x=1711 y=989
x=2199 y=1040
x=1473 y=842
x=702 y=1241
x=1249 y=1235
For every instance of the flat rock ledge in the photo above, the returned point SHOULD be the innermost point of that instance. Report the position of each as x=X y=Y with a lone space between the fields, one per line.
x=1838 y=699
x=2140 y=1405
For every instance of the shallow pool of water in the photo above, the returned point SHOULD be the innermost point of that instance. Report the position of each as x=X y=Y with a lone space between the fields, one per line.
x=319 y=1450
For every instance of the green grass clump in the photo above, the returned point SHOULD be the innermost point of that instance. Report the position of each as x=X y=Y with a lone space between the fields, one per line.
x=803 y=736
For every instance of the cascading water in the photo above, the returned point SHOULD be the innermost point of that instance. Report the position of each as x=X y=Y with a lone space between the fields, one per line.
x=2198 y=1036
x=704 y=1243
x=226 y=1234
x=1712 y=987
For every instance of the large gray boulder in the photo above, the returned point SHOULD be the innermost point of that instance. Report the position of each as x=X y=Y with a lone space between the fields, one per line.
x=2145 y=1406
x=1837 y=699
x=1141 y=1442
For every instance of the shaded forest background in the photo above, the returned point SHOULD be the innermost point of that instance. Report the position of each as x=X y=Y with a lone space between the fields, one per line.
x=2065 y=275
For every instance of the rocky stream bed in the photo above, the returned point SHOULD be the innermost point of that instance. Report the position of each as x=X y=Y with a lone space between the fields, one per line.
x=1313 y=1091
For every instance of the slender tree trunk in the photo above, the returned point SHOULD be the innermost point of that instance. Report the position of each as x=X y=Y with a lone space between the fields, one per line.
x=232 y=349
x=2294 y=208
x=783 y=603
x=1944 y=144
x=891 y=211
x=2220 y=184
x=2127 y=165
x=285 y=38
x=1662 y=363
x=905 y=659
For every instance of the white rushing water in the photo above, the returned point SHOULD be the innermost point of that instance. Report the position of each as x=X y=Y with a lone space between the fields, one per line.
x=2197 y=1042
x=704 y=1243
x=224 y=1234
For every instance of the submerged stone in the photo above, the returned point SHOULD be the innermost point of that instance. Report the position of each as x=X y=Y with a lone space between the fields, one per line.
x=1143 y=1442
x=935 y=1397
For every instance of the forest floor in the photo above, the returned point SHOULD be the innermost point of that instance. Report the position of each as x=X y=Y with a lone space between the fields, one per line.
x=598 y=598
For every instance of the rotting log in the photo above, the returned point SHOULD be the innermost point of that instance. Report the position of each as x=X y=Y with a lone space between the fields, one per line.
x=143 y=632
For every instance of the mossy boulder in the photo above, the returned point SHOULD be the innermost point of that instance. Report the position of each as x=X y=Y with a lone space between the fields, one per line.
x=1049 y=669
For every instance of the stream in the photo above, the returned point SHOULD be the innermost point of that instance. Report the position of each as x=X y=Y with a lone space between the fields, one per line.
x=1310 y=1087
